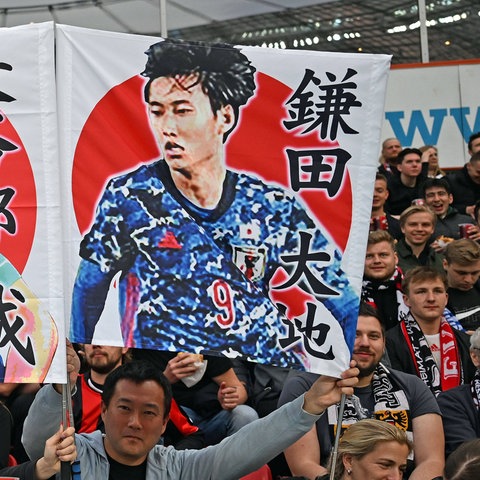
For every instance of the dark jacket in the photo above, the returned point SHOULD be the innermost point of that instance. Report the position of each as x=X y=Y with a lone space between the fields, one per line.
x=400 y=197
x=464 y=190
x=24 y=471
x=461 y=420
x=448 y=226
x=407 y=260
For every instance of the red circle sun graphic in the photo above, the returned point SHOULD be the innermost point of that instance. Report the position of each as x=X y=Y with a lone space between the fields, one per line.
x=117 y=138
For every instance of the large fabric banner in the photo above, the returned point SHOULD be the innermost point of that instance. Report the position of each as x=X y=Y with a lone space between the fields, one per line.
x=31 y=261
x=220 y=195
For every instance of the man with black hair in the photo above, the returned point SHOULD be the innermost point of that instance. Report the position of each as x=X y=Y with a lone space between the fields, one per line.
x=407 y=186
x=438 y=196
x=474 y=143
x=465 y=183
x=99 y=361
x=135 y=409
x=197 y=244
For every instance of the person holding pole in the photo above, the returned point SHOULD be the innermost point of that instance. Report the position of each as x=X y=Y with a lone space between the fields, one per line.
x=135 y=409
x=381 y=393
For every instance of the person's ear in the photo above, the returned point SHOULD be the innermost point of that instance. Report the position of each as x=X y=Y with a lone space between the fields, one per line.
x=227 y=117
x=347 y=461
x=103 y=409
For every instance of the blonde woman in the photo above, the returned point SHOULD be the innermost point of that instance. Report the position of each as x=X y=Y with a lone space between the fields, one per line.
x=374 y=450
x=434 y=170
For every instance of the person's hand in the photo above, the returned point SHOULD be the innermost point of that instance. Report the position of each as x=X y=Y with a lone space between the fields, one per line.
x=437 y=246
x=180 y=366
x=426 y=154
x=229 y=396
x=58 y=448
x=470 y=210
x=473 y=233
x=327 y=390
x=73 y=367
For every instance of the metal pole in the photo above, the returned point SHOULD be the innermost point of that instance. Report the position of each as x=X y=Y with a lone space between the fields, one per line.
x=422 y=17
x=341 y=409
x=163 y=19
x=65 y=470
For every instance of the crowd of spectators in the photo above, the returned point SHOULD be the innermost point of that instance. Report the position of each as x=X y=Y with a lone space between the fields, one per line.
x=417 y=344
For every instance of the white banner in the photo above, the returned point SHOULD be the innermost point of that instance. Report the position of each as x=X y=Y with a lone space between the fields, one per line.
x=30 y=218
x=285 y=235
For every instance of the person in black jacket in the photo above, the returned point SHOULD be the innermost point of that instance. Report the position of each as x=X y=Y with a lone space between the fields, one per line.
x=460 y=406
x=407 y=187
x=465 y=185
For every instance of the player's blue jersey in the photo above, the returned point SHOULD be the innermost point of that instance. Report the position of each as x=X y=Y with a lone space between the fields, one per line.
x=200 y=278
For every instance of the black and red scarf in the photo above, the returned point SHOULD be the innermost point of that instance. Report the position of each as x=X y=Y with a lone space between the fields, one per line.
x=450 y=373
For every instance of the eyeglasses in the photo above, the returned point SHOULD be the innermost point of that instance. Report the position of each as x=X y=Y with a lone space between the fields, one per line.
x=436 y=194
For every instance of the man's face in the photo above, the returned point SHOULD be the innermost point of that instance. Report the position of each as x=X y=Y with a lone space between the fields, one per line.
x=103 y=359
x=418 y=228
x=134 y=420
x=475 y=147
x=391 y=149
x=380 y=261
x=369 y=345
x=438 y=199
x=462 y=277
x=411 y=165
x=473 y=169
x=380 y=194
x=189 y=133
x=426 y=299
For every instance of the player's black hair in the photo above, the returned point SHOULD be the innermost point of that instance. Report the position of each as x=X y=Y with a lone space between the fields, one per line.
x=225 y=74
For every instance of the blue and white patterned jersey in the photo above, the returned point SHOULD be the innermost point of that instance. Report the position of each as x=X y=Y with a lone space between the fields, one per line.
x=199 y=278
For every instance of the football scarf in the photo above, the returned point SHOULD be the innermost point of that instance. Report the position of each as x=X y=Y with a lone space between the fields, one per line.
x=450 y=373
x=475 y=390
x=390 y=405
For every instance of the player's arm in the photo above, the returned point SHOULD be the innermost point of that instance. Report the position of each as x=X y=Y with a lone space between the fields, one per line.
x=429 y=447
x=303 y=457
x=89 y=294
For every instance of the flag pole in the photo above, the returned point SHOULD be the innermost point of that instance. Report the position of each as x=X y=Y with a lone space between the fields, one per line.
x=67 y=420
x=338 y=433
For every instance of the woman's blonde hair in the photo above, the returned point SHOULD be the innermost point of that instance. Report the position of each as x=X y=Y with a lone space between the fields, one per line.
x=363 y=436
